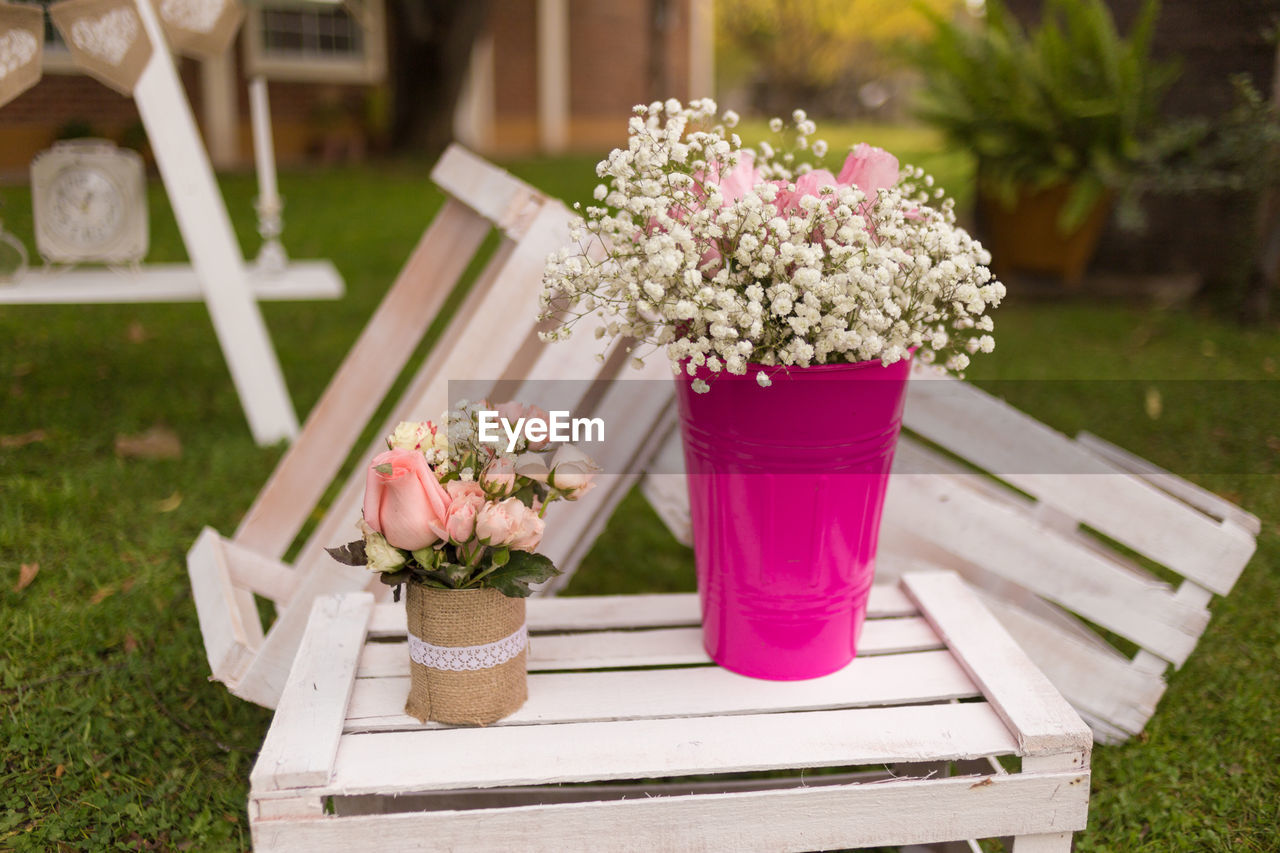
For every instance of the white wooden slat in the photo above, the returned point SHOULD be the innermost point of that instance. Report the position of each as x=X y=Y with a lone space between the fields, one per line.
x=1052 y=842
x=1200 y=498
x=264 y=679
x=630 y=410
x=391 y=762
x=652 y=647
x=498 y=196
x=696 y=691
x=260 y=574
x=302 y=742
x=605 y=612
x=545 y=795
x=1005 y=542
x=1040 y=719
x=800 y=819
x=228 y=615
x=964 y=419
x=298 y=483
x=466 y=356
x=165 y=283
x=901 y=546
x=211 y=244
x=1101 y=685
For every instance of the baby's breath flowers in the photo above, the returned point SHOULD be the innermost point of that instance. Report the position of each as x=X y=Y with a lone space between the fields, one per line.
x=733 y=257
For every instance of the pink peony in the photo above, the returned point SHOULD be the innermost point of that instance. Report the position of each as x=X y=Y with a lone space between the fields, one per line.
x=465 y=501
x=498 y=522
x=404 y=501
x=528 y=534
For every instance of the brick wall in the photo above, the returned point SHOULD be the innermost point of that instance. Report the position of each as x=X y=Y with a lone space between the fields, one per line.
x=612 y=67
x=36 y=118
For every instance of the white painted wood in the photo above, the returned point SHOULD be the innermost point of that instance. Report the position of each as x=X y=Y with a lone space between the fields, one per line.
x=498 y=196
x=633 y=409
x=265 y=677
x=260 y=574
x=377 y=703
x=467 y=356
x=665 y=489
x=1200 y=498
x=553 y=75
x=361 y=381
x=702 y=721
x=391 y=762
x=206 y=231
x=583 y=793
x=286 y=806
x=1096 y=684
x=608 y=612
x=1055 y=469
x=228 y=617
x=1039 y=717
x=164 y=283
x=651 y=647
x=303 y=739
x=795 y=820
x=1007 y=543
x=1053 y=842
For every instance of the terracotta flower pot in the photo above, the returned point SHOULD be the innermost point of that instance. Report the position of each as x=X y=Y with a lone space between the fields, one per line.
x=1026 y=236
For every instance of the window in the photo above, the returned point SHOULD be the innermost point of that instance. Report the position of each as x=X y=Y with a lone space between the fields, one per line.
x=316 y=41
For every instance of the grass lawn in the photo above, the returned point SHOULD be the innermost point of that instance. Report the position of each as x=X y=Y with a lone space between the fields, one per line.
x=114 y=739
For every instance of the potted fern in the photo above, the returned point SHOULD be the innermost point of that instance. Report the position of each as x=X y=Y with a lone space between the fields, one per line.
x=1056 y=117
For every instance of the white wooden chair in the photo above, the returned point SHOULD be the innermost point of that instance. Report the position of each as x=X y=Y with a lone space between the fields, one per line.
x=1054 y=533
x=1015 y=534
x=492 y=337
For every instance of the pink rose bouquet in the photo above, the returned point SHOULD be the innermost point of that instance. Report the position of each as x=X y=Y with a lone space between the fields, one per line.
x=736 y=259
x=447 y=510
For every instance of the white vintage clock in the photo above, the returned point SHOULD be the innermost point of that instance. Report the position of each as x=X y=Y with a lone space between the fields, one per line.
x=89 y=202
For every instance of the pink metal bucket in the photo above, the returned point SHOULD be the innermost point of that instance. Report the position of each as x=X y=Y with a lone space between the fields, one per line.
x=786 y=488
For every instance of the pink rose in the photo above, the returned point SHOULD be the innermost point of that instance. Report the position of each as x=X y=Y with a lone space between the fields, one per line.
x=499 y=477
x=528 y=535
x=740 y=179
x=870 y=169
x=404 y=501
x=572 y=472
x=498 y=522
x=810 y=183
x=465 y=501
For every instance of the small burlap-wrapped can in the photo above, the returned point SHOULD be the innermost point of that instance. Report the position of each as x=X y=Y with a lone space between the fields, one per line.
x=467 y=653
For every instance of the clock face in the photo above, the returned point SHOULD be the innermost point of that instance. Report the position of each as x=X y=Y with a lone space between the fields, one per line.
x=89 y=201
x=86 y=207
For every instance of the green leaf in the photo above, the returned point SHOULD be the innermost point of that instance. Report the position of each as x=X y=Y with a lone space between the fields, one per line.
x=351 y=554
x=396 y=578
x=385 y=469
x=1084 y=195
x=522 y=569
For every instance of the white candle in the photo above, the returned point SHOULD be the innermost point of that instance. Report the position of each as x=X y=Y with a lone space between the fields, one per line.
x=263 y=149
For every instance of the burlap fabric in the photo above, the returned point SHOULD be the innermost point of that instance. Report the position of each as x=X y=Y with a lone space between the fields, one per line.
x=458 y=618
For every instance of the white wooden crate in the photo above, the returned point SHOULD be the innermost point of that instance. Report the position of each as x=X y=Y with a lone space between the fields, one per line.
x=622 y=699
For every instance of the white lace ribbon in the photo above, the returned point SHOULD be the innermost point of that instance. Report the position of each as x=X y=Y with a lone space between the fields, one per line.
x=468 y=658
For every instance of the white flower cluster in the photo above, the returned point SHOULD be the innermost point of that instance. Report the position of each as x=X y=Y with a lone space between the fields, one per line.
x=731 y=257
